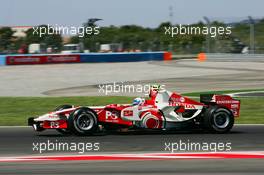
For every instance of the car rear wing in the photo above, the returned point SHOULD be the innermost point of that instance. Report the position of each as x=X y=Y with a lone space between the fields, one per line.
x=223 y=101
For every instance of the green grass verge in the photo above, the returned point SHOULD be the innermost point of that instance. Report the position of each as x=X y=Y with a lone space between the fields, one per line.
x=251 y=111
x=16 y=110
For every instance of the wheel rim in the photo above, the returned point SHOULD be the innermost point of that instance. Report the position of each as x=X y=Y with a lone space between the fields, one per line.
x=85 y=121
x=221 y=120
x=150 y=121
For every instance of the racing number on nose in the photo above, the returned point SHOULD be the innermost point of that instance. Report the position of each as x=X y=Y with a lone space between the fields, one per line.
x=54 y=125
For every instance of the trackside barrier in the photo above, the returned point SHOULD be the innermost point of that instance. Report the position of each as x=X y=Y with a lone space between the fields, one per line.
x=167 y=56
x=123 y=57
x=83 y=58
x=2 y=60
x=230 y=57
x=42 y=59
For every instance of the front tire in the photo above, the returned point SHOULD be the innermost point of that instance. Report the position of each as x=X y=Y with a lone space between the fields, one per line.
x=83 y=121
x=62 y=107
x=218 y=120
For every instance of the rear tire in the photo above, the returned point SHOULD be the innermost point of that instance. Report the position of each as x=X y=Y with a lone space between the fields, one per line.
x=218 y=120
x=83 y=121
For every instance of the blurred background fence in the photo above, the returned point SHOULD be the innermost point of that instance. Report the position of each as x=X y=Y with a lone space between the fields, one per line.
x=246 y=37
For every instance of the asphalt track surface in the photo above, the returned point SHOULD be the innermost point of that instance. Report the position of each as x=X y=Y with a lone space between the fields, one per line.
x=18 y=141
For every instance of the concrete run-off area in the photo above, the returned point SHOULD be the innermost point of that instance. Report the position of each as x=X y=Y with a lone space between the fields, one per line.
x=83 y=79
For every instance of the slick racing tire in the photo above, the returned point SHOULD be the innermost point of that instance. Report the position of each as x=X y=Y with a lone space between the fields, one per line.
x=63 y=131
x=83 y=121
x=218 y=120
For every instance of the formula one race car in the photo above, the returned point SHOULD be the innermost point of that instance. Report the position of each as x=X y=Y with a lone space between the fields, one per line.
x=164 y=110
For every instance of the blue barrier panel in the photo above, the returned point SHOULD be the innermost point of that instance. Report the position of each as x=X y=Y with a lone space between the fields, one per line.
x=121 y=57
x=2 y=60
x=17 y=59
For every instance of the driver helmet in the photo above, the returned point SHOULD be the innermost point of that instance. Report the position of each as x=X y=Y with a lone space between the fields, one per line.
x=138 y=101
